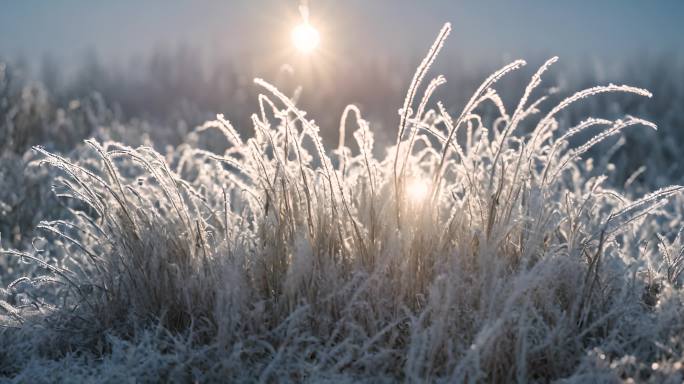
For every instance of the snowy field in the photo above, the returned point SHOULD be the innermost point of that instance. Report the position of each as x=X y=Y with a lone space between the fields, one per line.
x=521 y=226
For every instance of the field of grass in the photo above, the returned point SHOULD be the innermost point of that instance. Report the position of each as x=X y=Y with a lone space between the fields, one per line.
x=490 y=244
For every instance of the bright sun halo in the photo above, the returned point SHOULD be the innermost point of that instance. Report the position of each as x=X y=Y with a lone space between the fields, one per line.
x=305 y=38
x=417 y=190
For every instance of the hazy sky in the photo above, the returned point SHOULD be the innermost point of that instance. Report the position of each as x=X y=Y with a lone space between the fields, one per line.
x=120 y=30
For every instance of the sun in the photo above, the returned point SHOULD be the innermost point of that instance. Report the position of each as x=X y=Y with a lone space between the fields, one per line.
x=417 y=190
x=305 y=38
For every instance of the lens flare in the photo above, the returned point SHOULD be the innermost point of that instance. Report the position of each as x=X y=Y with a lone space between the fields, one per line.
x=305 y=38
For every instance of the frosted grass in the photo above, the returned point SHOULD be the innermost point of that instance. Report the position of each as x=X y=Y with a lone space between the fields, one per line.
x=278 y=260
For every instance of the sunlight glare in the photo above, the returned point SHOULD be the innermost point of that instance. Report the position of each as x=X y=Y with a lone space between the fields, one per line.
x=305 y=38
x=417 y=190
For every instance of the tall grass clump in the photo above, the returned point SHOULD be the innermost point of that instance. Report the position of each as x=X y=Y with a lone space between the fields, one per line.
x=477 y=249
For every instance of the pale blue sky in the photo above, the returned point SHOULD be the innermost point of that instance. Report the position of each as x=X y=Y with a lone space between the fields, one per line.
x=122 y=29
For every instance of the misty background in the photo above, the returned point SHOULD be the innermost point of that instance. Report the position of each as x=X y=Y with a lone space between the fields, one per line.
x=167 y=66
